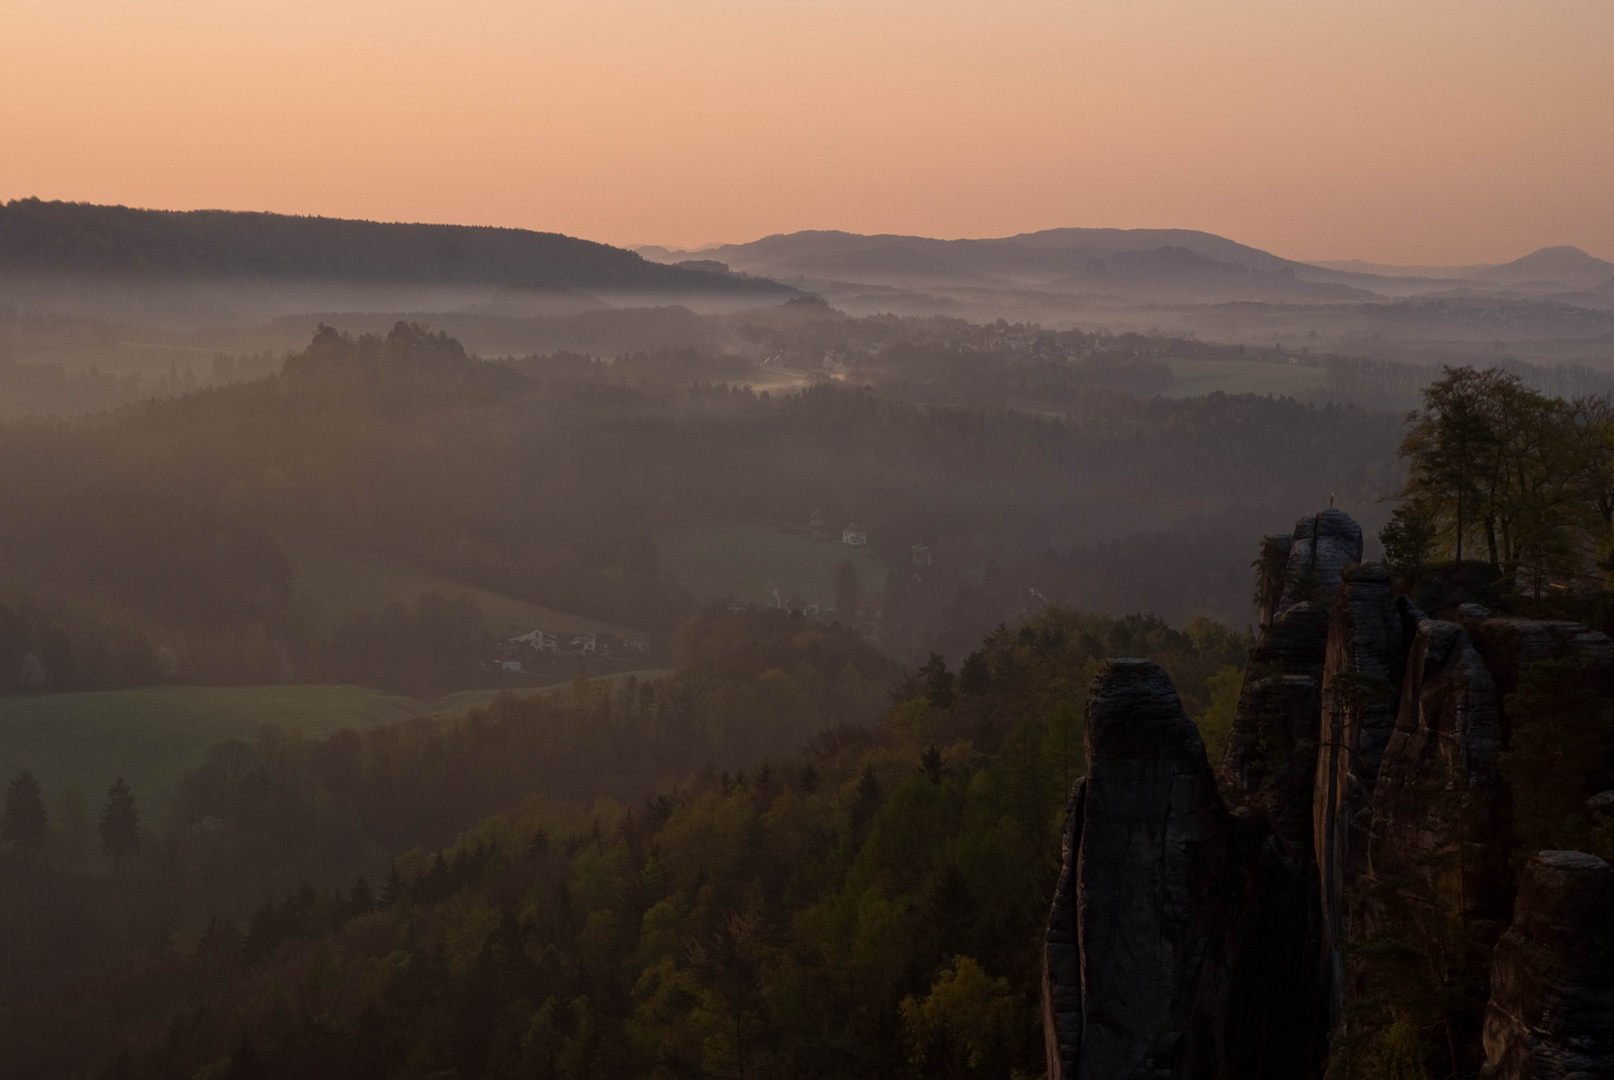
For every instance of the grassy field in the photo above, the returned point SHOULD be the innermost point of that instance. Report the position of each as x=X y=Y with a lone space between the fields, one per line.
x=336 y=583
x=1198 y=377
x=153 y=735
x=714 y=557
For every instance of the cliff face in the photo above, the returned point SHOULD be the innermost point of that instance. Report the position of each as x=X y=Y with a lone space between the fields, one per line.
x=1366 y=661
x=1435 y=831
x=1140 y=945
x=1365 y=809
x=1551 y=1013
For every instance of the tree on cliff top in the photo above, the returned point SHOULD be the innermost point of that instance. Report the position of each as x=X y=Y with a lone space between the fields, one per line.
x=1490 y=459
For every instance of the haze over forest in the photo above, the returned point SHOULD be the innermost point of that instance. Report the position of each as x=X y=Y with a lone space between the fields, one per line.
x=646 y=542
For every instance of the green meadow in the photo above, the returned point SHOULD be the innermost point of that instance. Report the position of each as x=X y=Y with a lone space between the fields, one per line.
x=336 y=583
x=152 y=736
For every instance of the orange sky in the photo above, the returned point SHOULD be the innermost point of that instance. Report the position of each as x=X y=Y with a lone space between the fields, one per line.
x=1429 y=131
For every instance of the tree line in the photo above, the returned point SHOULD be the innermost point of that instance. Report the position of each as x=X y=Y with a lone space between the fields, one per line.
x=25 y=825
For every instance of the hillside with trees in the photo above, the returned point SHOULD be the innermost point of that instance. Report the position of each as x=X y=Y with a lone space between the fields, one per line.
x=63 y=238
x=791 y=872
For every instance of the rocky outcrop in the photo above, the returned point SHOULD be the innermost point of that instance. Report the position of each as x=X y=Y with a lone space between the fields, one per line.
x=1142 y=936
x=1293 y=644
x=1551 y=1012
x=1324 y=545
x=1271 y=575
x=1277 y=753
x=1436 y=865
x=1271 y=764
x=1366 y=816
x=1511 y=645
x=1369 y=629
x=1061 y=964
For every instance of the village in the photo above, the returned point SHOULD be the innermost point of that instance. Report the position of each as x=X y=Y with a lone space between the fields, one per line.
x=539 y=652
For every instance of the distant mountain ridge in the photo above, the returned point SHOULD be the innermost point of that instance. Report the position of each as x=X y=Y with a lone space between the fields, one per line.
x=87 y=239
x=1566 y=264
x=1184 y=264
x=1046 y=255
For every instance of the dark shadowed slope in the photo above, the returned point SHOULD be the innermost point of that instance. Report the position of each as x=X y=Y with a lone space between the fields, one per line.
x=61 y=238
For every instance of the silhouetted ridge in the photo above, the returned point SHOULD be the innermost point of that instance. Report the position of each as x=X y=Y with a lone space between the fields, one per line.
x=85 y=238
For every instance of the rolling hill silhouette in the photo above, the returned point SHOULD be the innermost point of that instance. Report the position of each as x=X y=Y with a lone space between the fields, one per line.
x=63 y=238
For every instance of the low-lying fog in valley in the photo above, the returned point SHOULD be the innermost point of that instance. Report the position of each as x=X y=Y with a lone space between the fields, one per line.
x=434 y=651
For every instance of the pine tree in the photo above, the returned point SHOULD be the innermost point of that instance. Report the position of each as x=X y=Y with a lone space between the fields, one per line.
x=360 y=900
x=392 y=890
x=866 y=800
x=120 y=825
x=23 y=824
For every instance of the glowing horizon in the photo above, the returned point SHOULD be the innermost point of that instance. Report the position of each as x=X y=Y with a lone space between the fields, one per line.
x=1436 y=133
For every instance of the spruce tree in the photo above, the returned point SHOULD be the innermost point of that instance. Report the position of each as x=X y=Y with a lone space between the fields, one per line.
x=22 y=827
x=360 y=901
x=392 y=890
x=120 y=825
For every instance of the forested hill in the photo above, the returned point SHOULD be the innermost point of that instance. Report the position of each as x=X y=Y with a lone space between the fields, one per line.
x=79 y=238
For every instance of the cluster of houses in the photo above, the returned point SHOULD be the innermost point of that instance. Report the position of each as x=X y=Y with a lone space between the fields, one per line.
x=866 y=619
x=854 y=535
x=536 y=646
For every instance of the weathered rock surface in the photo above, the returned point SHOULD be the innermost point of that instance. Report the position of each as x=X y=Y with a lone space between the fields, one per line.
x=1277 y=711
x=1193 y=940
x=1276 y=758
x=1272 y=573
x=1293 y=643
x=1369 y=631
x=1324 y=545
x=1141 y=939
x=1271 y=761
x=1061 y=962
x=1511 y=645
x=1551 y=1012
x=1436 y=834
